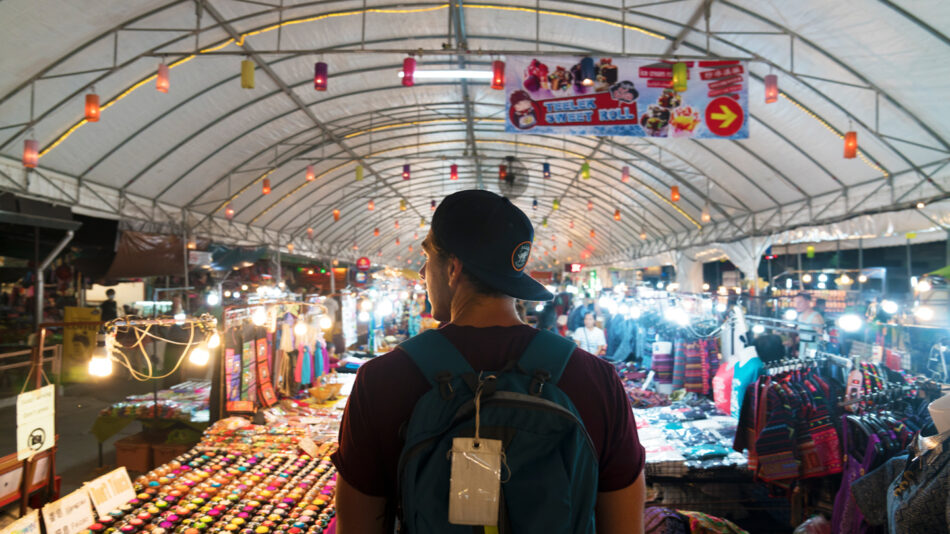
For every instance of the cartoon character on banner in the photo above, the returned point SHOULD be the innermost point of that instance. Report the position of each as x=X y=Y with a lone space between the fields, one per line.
x=522 y=112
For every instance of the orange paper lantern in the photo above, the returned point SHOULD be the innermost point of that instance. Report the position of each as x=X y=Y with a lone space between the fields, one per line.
x=850 y=145
x=92 y=107
x=336 y=215
x=265 y=188
x=675 y=193
x=161 y=80
x=311 y=176
x=771 y=88
x=498 y=75
x=31 y=149
x=617 y=214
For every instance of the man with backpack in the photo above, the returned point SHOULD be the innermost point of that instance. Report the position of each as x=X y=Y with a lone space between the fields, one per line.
x=486 y=424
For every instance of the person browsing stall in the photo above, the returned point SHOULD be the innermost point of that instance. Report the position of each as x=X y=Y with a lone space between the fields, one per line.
x=589 y=337
x=476 y=254
x=810 y=324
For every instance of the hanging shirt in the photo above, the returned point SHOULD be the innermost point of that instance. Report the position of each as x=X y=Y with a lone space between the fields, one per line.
x=590 y=339
x=743 y=375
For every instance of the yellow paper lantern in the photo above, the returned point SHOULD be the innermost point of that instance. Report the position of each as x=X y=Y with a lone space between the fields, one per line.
x=247 y=74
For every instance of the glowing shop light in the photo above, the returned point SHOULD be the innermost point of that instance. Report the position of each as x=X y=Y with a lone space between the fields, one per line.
x=862 y=278
x=806 y=278
x=199 y=355
x=924 y=286
x=179 y=318
x=889 y=307
x=635 y=312
x=850 y=322
x=822 y=285
x=243 y=287
x=227 y=294
x=214 y=341
x=539 y=308
x=788 y=283
x=100 y=364
x=384 y=308
x=300 y=328
x=924 y=313
x=758 y=329
x=659 y=285
x=721 y=307
x=363 y=317
x=791 y=315
x=325 y=322
x=213 y=299
x=236 y=294
x=822 y=277
x=259 y=317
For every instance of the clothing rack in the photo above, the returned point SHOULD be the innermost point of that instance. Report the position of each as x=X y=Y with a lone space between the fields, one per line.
x=889 y=393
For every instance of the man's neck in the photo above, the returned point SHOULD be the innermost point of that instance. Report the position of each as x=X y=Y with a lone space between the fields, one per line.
x=481 y=311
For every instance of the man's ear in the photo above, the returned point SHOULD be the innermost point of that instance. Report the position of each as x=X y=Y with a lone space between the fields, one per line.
x=454 y=266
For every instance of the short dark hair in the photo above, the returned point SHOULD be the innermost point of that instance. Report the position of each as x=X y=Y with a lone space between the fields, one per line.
x=110 y=292
x=481 y=287
x=804 y=295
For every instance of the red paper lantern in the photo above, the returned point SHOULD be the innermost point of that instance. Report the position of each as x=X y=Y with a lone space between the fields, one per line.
x=617 y=214
x=498 y=75
x=31 y=150
x=570 y=243
x=320 y=76
x=502 y=172
x=410 y=248
x=850 y=145
x=453 y=172
x=161 y=80
x=408 y=71
x=376 y=232
x=92 y=107
x=265 y=188
x=311 y=176
x=593 y=234
x=397 y=241
x=771 y=88
x=625 y=174
x=370 y=205
x=675 y=193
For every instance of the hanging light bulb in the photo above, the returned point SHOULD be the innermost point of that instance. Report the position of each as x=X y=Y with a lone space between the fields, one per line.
x=300 y=328
x=402 y=207
x=336 y=215
x=326 y=322
x=191 y=244
x=290 y=247
x=229 y=211
x=534 y=204
x=810 y=251
x=359 y=173
x=502 y=172
x=432 y=205
x=546 y=170
x=408 y=71
x=617 y=214
x=680 y=75
x=310 y=233
x=375 y=232
x=585 y=170
x=593 y=234
x=161 y=80
x=397 y=241
x=422 y=222
x=370 y=205
x=199 y=355
x=675 y=193
x=355 y=246
x=556 y=205
x=311 y=175
x=405 y=172
x=31 y=150
x=590 y=205
x=850 y=144
x=247 y=74
x=396 y=224
x=498 y=75
x=259 y=317
x=92 y=107
x=453 y=172
x=214 y=341
x=625 y=174
x=643 y=234
x=320 y=76
x=587 y=71
x=100 y=364
x=570 y=243
x=705 y=217
x=410 y=247
x=265 y=187
x=771 y=88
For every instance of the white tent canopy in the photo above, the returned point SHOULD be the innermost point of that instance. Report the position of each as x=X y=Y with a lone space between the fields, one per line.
x=172 y=162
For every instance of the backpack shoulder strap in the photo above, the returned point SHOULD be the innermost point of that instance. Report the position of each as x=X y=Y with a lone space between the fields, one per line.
x=434 y=355
x=549 y=352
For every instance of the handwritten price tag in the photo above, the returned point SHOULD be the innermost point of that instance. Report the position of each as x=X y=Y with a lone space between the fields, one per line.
x=110 y=491
x=68 y=515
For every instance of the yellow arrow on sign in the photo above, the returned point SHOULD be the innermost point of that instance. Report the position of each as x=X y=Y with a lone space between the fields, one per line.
x=727 y=116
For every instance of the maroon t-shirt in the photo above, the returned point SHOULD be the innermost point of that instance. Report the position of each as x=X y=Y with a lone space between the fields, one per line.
x=388 y=387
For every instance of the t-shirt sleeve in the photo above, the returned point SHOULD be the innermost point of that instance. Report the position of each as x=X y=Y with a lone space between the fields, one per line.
x=358 y=459
x=623 y=457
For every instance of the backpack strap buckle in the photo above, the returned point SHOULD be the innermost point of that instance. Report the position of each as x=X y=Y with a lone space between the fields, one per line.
x=444 y=381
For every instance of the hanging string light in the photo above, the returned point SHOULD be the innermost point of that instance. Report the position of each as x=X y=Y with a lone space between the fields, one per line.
x=290 y=247
x=402 y=207
x=31 y=149
x=546 y=170
x=370 y=206
x=161 y=80
x=850 y=144
x=593 y=233
x=680 y=75
x=265 y=188
x=311 y=175
x=570 y=243
x=675 y=193
x=625 y=174
x=396 y=224
x=556 y=205
x=359 y=173
x=92 y=107
x=247 y=74
x=376 y=232
x=410 y=247
x=453 y=172
x=408 y=71
x=406 y=172
x=771 y=88
x=320 y=76
x=397 y=241
x=498 y=75
x=617 y=214
x=336 y=215
x=585 y=170
x=502 y=172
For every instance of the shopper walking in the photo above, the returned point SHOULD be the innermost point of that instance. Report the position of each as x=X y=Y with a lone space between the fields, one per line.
x=476 y=254
x=810 y=324
x=589 y=337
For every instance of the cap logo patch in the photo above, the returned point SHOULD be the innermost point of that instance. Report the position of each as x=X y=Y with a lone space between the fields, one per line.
x=519 y=258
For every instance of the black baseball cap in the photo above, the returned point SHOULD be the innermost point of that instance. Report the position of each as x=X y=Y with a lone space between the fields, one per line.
x=492 y=237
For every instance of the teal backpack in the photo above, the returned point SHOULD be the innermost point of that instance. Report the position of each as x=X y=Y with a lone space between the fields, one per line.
x=549 y=481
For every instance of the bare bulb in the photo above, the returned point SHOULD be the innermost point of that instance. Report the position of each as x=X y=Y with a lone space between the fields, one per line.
x=300 y=329
x=259 y=317
x=199 y=356
x=214 y=341
x=326 y=323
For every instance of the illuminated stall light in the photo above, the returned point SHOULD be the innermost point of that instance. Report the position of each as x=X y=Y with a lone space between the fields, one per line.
x=498 y=75
x=546 y=170
x=31 y=149
x=408 y=71
x=311 y=175
x=375 y=232
x=265 y=187
x=453 y=172
x=247 y=74
x=370 y=205
x=92 y=107
x=336 y=215
x=502 y=172
x=679 y=76
x=161 y=80
x=587 y=71
x=402 y=207
x=771 y=88
x=850 y=145
x=705 y=217
x=617 y=214
x=320 y=72
x=310 y=233
x=625 y=174
x=675 y=193
x=406 y=172
x=229 y=211
x=593 y=233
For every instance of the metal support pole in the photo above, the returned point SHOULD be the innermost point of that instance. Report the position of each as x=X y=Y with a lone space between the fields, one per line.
x=184 y=248
x=279 y=274
x=37 y=360
x=860 y=263
x=332 y=278
x=801 y=285
x=909 y=273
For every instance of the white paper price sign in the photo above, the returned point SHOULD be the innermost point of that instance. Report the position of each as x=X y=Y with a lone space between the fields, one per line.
x=28 y=524
x=35 y=421
x=68 y=515
x=110 y=491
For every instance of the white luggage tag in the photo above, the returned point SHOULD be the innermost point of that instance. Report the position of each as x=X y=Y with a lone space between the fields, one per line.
x=475 y=483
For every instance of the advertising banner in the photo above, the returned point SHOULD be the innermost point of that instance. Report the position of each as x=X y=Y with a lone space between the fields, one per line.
x=626 y=96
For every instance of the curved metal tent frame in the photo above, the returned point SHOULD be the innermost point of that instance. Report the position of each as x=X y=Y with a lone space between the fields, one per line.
x=179 y=160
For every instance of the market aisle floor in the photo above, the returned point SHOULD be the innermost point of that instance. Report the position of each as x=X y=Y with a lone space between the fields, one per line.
x=77 y=460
